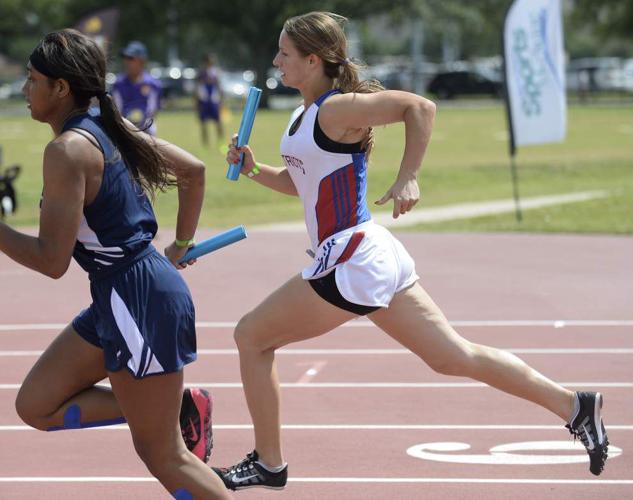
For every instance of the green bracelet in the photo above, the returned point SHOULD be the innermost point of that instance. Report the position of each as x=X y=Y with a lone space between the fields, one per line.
x=255 y=170
x=184 y=243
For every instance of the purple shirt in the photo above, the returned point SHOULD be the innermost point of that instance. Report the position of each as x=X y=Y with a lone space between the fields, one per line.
x=139 y=101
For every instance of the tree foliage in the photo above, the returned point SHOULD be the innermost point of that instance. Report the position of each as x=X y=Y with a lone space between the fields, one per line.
x=245 y=32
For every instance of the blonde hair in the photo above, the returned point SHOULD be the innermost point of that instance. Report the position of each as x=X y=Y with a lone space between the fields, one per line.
x=321 y=34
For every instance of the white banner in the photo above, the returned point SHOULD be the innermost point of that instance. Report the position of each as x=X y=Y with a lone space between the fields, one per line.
x=535 y=71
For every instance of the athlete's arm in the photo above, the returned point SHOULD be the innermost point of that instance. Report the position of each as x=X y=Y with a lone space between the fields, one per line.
x=62 y=207
x=190 y=173
x=350 y=115
x=277 y=179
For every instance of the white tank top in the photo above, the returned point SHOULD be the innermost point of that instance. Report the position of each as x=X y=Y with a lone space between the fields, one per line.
x=332 y=186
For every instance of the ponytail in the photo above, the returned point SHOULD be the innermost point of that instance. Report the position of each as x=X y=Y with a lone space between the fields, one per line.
x=146 y=162
x=348 y=80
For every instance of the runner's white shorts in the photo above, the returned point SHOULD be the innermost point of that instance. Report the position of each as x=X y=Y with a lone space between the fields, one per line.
x=371 y=264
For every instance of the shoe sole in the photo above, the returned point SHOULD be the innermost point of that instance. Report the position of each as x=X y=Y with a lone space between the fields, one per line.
x=597 y=407
x=603 y=439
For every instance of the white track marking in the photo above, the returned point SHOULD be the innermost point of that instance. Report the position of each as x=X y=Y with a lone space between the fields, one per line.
x=352 y=427
x=315 y=368
x=363 y=352
x=556 y=323
x=362 y=480
x=449 y=452
x=372 y=385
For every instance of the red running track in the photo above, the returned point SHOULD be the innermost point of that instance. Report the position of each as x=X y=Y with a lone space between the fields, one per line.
x=354 y=401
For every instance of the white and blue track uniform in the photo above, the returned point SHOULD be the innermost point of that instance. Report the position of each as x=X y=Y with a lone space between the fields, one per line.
x=142 y=315
x=331 y=180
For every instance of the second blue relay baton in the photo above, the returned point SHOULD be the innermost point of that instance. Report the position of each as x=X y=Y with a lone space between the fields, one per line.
x=244 y=133
x=214 y=243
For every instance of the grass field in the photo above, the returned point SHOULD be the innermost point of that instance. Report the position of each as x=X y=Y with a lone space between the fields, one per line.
x=466 y=162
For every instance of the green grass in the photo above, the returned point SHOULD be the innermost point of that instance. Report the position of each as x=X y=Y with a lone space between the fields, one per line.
x=467 y=162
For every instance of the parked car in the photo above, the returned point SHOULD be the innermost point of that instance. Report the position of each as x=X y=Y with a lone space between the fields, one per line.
x=12 y=89
x=235 y=84
x=590 y=74
x=449 y=84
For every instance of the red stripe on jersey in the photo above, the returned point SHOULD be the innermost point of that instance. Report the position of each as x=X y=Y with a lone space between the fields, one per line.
x=351 y=247
x=326 y=216
x=337 y=205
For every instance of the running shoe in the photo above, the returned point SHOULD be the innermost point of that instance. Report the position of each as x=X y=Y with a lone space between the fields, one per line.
x=250 y=473
x=195 y=422
x=587 y=425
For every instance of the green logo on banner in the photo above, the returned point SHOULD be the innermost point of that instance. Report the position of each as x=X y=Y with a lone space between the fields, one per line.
x=531 y=71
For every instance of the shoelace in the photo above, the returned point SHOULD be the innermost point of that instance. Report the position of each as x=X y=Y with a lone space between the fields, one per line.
x=244 y=465
x=581 y=434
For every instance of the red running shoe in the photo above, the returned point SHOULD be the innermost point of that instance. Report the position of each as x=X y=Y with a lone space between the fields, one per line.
x=195 y=422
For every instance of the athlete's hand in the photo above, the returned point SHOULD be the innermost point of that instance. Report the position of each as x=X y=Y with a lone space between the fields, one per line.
x=405 y=193
x=174 y=253
x=233 y=156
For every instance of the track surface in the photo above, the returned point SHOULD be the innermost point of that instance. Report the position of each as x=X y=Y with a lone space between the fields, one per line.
x=354 y=401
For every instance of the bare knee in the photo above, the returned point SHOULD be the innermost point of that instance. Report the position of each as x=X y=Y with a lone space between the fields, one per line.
x=457 y=362
x=27 y=410
x=246 y=335
x=241 y=334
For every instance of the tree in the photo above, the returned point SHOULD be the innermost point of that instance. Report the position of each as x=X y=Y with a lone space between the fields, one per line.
x=600 y=28
x=254 y=25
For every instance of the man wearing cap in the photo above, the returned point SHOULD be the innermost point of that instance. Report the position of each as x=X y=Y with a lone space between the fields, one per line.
x=135 y=92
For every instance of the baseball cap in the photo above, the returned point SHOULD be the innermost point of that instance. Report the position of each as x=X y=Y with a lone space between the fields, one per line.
x=135 y=49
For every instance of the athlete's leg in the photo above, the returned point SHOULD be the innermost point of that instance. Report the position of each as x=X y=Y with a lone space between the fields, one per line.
x=417 y=323
x=64 y=376
x=152 y=406
x=291 y=313
x=204 y=133
x=219 y=128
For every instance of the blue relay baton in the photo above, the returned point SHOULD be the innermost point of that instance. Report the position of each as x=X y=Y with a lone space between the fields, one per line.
x=214 y=243
x=244 y=133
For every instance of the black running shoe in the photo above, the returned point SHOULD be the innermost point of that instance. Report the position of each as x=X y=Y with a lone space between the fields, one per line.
x=587 y=425
x=195 y=422
x=249 y=473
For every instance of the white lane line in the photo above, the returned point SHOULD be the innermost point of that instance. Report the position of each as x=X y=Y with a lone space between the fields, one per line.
x=353 y=352
x=372 y=385
x=556 y=323
x=455 y=480
x=348 y=352
x=373 y=480
x=354 y=427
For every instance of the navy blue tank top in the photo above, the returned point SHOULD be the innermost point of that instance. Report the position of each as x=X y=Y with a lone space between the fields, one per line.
x=118 y=226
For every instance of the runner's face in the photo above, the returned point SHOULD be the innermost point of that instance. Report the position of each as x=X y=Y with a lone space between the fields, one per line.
x=38 y=91
x=292 y=64
x=133 y=66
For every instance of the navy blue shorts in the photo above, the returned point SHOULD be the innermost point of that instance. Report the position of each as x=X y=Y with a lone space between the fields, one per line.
x=208 y=111
x=142 y=317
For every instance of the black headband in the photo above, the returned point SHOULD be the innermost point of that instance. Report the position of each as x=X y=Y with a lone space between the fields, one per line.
x=38 y=62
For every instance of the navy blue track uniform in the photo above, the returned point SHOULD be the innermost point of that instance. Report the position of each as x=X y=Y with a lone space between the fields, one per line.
x=142 y=314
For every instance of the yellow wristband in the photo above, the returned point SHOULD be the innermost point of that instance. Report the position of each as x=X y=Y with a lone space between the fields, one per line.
x=184 y=243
